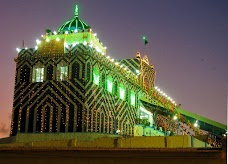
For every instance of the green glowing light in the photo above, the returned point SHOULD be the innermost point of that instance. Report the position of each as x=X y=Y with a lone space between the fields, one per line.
x=132 y=98
x=109 y=84
x=76 y=11
x=38 y=74
x=122 y=92
x=96 y=75
x=145 y=40
x=62 y=72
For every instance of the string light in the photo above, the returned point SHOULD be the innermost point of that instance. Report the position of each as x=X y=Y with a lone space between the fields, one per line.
x=93 y=119
x=18 y=50
x=196 y=124
x=65 y=121
x=66 y=45
x=38 y=41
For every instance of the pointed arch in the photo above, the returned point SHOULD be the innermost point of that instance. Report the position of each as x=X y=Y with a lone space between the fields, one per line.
x=96 y=75
x=38 y=73
x=62 y=71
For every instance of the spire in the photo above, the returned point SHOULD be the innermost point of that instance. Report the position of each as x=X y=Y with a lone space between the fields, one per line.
x=76 y=11
x=23 y=44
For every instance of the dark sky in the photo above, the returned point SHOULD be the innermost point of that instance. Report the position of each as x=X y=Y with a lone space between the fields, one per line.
x=188 y=43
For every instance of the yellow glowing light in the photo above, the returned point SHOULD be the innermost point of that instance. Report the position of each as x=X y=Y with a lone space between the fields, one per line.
x=38 y=41
x=65 y=45
x=18 y=49
x=195 y=125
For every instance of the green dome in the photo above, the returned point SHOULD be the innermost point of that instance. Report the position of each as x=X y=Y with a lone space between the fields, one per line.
x=74 y=24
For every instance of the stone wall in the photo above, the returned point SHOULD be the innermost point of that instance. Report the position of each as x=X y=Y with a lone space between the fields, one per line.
x=148 y=131
x=96 y=140
x=23 y=137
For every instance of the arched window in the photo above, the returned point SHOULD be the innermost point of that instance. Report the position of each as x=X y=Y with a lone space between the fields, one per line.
x=96 y=75
x=132 y=99
x=62 y=71
x=122 y=91
x=38 y=73
x=109 y=84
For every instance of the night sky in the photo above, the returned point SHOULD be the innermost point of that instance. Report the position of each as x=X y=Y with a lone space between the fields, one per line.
x=188 y=44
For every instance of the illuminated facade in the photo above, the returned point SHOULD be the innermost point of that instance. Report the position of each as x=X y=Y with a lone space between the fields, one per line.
x=68 y=83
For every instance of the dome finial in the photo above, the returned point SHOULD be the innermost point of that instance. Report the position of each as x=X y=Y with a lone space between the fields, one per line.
x=76 y=11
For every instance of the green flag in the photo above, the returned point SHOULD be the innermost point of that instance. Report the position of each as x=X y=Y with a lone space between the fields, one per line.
x=145 y=40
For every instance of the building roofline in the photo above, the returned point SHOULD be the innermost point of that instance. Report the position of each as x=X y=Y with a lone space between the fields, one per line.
x=201 y=118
